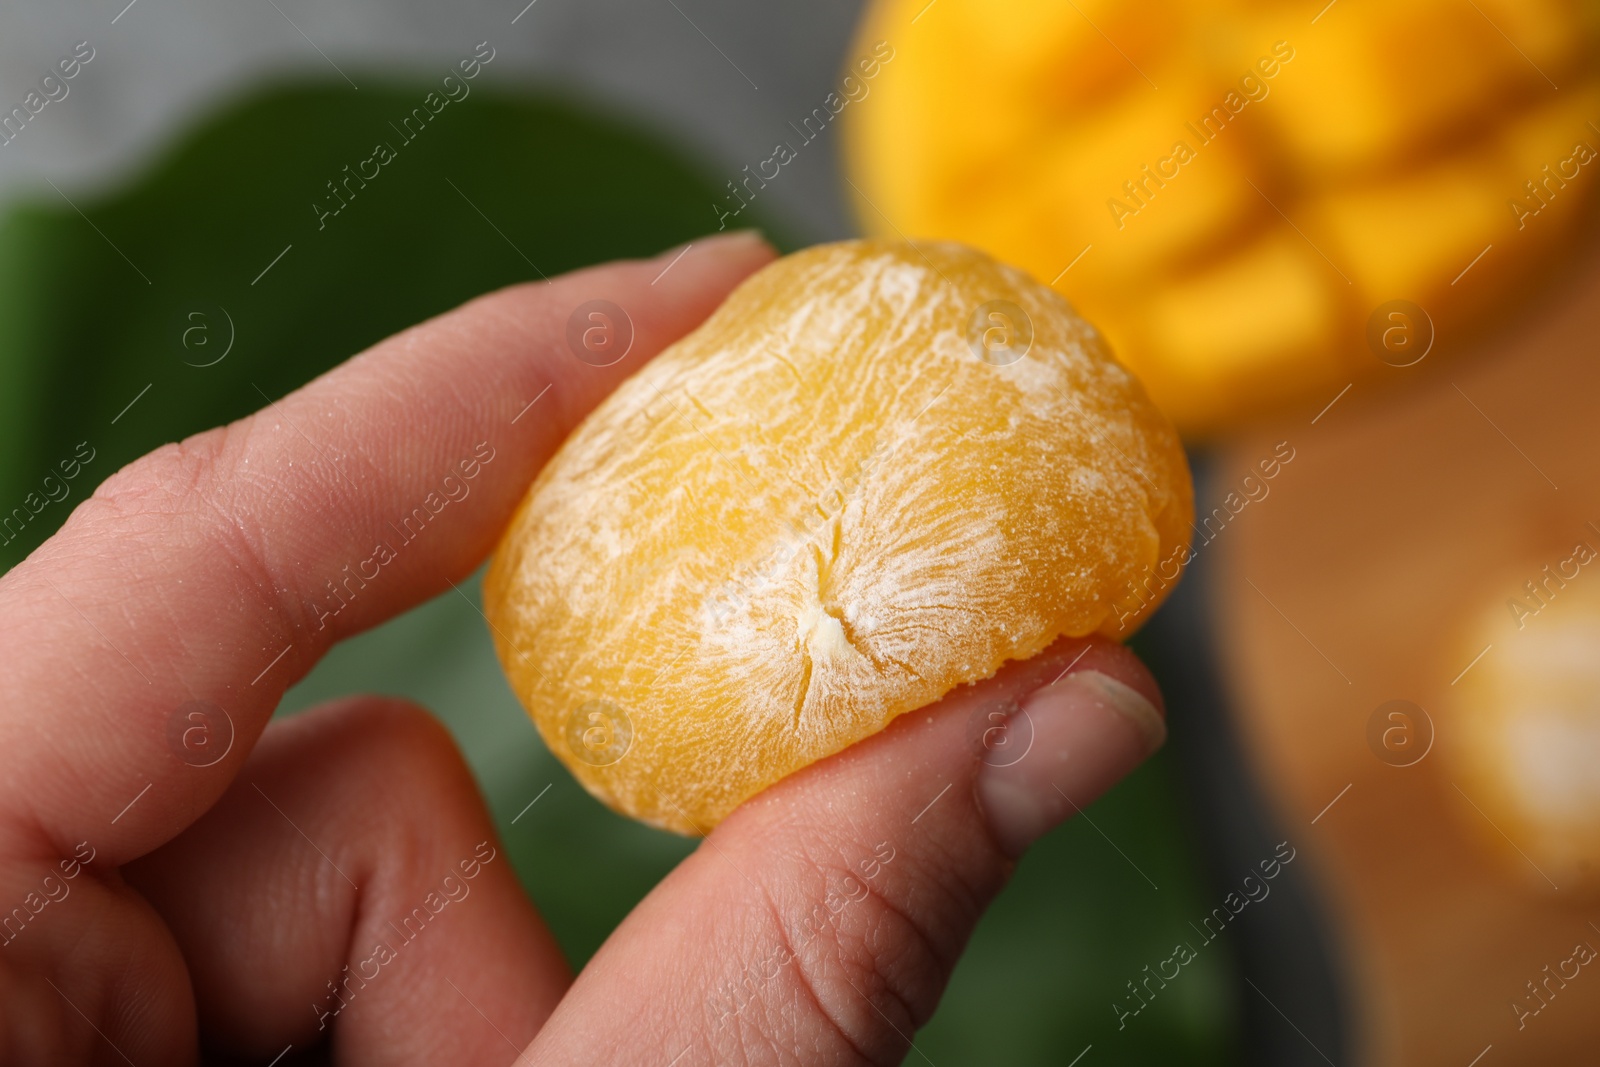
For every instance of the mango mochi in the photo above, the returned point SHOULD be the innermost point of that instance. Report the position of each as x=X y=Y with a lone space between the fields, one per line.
x=878 y=472
x=1521 y=729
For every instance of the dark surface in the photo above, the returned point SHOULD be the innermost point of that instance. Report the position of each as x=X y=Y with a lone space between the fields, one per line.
x=1292 y=1009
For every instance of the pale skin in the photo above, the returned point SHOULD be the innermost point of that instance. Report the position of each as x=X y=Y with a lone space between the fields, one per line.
x=221 y=903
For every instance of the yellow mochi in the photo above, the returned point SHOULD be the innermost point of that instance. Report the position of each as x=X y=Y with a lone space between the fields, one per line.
x=860 y=484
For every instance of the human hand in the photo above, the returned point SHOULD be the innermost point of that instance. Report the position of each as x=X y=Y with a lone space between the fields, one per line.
x=175 y=874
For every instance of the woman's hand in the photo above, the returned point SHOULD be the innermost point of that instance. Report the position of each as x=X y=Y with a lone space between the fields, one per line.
x=175 y=875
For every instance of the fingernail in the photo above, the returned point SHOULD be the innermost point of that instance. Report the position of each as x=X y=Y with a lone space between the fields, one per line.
x=722 y=242
x=1078 y=737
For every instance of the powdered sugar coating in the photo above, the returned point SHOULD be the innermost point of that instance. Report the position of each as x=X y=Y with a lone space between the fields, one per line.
x=821 y=510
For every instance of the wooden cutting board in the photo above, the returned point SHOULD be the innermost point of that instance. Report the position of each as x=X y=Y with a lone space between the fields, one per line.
x=1346 y=587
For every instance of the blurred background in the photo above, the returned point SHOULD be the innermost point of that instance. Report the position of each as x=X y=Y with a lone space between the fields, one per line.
x=1347 y=242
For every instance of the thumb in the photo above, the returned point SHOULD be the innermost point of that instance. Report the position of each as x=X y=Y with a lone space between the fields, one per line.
x=823 y=918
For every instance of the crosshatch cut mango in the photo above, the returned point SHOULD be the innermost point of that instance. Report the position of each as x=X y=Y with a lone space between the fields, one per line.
x=1231 y=190
x=878 y=472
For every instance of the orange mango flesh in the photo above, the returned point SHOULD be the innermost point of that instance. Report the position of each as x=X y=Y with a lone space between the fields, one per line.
x=1199 y=176
x=850 y=491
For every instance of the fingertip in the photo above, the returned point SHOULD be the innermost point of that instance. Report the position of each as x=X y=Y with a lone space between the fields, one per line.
x=1034 y=744
x=1083 y=734
x=1098 y=653
x=720 y=243
x=704 y=260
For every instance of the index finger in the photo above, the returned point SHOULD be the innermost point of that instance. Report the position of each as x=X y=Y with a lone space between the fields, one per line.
x=198 y=583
